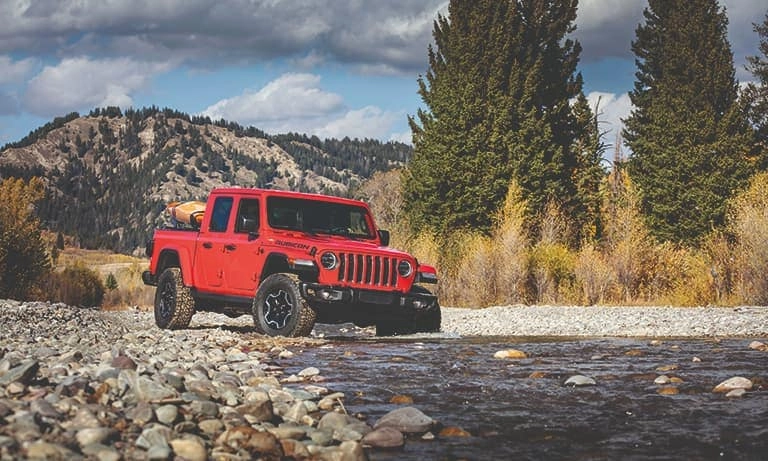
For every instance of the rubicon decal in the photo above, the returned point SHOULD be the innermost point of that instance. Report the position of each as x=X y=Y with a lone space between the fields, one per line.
x=297 y=245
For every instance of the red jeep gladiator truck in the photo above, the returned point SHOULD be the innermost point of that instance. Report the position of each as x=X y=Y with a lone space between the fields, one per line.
x=289 y=259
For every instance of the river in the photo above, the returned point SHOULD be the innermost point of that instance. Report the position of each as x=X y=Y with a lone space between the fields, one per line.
x=521 y=409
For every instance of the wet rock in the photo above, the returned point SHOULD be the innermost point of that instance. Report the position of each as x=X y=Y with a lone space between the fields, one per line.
x=730 y=384
x=758 y=346
x=736 y=393
x=453 y=431
x=510 y=354
x=309 y=372
x=664 y=368
x=384 y=437
x=663 y=379
x=537 y=375
x=668 y=390
x=580 y=381
x=401 y=400
x=407 y=420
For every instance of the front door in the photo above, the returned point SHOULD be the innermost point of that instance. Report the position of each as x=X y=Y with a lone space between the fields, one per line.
x=211 y=253
x=244 y=256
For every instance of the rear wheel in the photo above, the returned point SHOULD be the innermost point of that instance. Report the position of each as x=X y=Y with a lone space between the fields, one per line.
x=280 y=310
x=174 y=305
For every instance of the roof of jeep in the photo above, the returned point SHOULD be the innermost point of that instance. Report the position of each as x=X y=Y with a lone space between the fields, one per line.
x=285 y=193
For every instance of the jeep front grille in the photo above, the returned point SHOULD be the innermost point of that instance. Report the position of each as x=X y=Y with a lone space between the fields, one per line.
x=368 y=270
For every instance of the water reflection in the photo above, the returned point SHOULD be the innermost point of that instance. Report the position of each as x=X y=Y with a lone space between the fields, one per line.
x=520 y=409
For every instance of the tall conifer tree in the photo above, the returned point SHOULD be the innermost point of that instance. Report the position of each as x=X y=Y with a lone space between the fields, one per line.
x=756 y=95
x=689 y=139
x=497 y=94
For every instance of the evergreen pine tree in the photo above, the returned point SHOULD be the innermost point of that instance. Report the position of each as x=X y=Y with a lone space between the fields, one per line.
x=756 y=95
x=689 y=139
x=497 y=94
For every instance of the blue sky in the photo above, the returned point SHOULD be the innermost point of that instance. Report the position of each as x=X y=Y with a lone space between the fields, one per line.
x=333 y=68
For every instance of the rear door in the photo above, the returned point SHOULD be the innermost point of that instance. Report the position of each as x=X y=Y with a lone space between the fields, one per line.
x=213 y=245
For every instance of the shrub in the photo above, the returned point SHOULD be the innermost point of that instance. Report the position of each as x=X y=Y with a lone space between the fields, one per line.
x=748 y=221
x=594 y=276
x=76 y=286
x=552 y=271
x=24 y=261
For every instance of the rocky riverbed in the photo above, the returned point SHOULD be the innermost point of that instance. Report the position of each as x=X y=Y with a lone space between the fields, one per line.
x=87 y=384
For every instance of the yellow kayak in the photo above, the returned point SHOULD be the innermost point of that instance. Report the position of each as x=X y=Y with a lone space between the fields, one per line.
x=190 y=212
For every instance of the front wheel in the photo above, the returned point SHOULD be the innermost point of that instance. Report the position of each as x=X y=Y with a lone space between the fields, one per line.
x=280 y=310
x=174 y=305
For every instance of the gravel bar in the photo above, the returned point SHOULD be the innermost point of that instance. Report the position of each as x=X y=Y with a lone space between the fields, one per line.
x=594 y=321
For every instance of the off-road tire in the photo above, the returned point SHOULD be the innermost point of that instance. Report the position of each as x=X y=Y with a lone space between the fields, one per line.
x=280 y=310
x=425 y=320
x=174 y=304
x=428 y=319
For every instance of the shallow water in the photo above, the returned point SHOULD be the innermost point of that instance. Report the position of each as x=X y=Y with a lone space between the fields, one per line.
x=511 y=415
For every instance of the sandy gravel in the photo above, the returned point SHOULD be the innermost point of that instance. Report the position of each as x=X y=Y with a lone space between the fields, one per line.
x=607 y=321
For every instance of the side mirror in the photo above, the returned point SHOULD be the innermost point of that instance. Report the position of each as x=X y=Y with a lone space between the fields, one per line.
x=384 y=237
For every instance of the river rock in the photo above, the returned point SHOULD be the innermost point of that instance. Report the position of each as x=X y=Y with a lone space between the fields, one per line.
x=21 y=373
x=510 y=354
x=384 y=437
x=167 y=414
x=737 y=382
x=758 y=346
x=580 y=381
x=92 y=436
x=736 y=393
x=408 y=420
x=190 y=448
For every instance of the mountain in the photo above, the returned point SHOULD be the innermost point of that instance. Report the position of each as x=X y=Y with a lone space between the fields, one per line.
x=110 y=174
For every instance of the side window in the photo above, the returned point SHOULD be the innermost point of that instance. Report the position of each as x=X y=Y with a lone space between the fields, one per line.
x=221 y=210
x=247 y=216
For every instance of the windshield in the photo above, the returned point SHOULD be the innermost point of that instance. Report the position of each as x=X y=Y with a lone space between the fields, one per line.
x=318 y=217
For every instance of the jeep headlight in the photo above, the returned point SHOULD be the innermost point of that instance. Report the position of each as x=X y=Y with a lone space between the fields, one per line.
x=328 y=260
x=404 y=268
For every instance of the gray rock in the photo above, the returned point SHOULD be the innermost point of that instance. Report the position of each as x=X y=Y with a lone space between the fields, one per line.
x=90 y=436
x=205 y=408
x=154 y=435
x=384 y=437
x=22 y=373
x=141 y=414
x=167 y=414
x=211 y=426
x=408 y=420
x=580 y=381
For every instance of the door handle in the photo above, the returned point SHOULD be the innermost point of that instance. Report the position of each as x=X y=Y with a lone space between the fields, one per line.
x=230 y=247
x=208 y=245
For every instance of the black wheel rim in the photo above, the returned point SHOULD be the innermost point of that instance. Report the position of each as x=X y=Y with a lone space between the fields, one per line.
x=278 y=309
x=167 y=300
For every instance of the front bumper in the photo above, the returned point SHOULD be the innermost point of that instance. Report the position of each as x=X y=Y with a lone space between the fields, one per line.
x=326 y=294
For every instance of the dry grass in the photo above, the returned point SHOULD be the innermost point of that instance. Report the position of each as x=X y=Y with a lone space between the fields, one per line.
x=127 y=270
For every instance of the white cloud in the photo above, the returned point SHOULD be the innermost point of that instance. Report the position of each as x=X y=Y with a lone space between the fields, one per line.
x=289 y=97
x=15 y=71
x=297 y=103
x=368 y=122
x=82 y=83
x=611 y=109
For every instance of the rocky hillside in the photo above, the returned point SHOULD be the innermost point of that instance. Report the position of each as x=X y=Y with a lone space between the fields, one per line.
x=110 y=173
